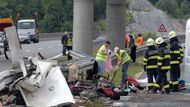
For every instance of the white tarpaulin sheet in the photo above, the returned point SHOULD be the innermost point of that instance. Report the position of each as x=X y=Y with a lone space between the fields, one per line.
x=144 y=82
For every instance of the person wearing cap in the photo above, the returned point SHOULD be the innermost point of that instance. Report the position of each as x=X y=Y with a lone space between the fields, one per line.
x=163 y=66
x=150 y=63
x=176 y=54
x=123 y=59
x=101 y=57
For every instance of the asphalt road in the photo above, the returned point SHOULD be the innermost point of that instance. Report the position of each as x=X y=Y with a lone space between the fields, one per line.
x=47 y=48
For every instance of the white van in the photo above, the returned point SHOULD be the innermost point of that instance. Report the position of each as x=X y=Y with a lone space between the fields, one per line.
x=27 y=31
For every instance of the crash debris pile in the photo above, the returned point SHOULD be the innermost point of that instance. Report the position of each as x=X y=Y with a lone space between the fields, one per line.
x=10 y=98
x=7 y=100
x=101 y=87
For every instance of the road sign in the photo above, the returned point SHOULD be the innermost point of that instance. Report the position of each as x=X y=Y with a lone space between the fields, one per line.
x=162 y=28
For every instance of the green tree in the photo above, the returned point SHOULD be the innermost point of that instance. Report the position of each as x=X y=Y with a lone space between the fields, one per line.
x=5 y=12
x=153 y=1
x=53 y=16
x=169 y=6
x=99 y=9
x=184 y=7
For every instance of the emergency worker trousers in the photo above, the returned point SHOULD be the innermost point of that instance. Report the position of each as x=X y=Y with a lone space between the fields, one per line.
x=174 y=76
x=151 y=74
x=64 y=50
x=124 y=73
x=161 y=80
x=68 y=49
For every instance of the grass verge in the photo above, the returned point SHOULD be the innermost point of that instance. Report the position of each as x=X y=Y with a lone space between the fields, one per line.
x=133 y=70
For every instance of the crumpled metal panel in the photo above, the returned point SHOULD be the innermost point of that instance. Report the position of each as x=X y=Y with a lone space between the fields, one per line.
x=54 y=92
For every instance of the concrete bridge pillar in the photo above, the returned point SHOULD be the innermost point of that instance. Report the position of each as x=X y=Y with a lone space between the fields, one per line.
x=83 y=26
x=115 y=13
x=186 y=74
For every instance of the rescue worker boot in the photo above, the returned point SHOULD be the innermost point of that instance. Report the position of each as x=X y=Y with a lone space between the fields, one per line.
x=175 y=88
x=154 y=90
x=167 y=90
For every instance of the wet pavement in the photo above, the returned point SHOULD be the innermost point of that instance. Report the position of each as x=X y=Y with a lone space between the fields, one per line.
x=141 y=99
x=181 y=99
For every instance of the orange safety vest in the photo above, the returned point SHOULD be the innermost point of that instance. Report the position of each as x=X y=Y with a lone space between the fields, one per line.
x=126 y=39
x=139 y=41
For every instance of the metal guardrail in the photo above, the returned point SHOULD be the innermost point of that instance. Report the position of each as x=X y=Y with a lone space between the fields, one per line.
x=142 y=49
x=86 y=64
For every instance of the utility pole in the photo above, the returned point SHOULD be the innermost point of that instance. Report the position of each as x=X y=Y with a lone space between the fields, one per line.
x=83 y=26
x=115 y=13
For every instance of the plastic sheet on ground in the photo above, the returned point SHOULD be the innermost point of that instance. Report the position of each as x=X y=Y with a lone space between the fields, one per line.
x=143 y=82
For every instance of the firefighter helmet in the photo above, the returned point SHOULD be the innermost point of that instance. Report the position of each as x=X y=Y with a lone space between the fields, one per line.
x=159 y=40
x=150 y=42
x=172 y=34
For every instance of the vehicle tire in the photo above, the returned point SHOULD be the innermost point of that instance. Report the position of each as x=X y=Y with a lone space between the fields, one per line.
x=36 y=41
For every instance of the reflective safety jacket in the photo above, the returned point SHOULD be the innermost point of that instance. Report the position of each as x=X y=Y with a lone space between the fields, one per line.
x=151 y=59
x=69 y=42
x=102 y=54
x=139 y=41
x=181 y=51
x=176 y=53
x=123 y=55
x=164 y=59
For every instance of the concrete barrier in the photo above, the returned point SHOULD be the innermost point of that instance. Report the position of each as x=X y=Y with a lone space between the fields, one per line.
x=51 y=36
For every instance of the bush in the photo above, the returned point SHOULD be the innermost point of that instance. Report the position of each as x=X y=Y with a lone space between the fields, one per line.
x=149 y=35
x=101 y=25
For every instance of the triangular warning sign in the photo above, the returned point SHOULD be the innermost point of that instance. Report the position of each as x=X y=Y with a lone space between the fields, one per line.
x=162 y=28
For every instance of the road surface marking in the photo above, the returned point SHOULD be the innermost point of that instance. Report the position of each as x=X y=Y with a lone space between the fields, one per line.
x=40 y=48
x=27 y=50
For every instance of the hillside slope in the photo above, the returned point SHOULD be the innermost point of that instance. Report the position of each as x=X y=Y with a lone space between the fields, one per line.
x=146 y=18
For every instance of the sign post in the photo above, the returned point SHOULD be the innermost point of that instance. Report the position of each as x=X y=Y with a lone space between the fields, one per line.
x=162 y=30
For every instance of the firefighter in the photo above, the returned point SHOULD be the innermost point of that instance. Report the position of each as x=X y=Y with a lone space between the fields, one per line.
x=150 y=63
x=163 y=66
x=176 y=54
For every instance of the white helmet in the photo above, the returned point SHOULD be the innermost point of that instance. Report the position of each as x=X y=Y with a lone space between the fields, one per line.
x=66 y=33
x=159 y=40
x=172 y=34
x=150 y=42
x=116 y=49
